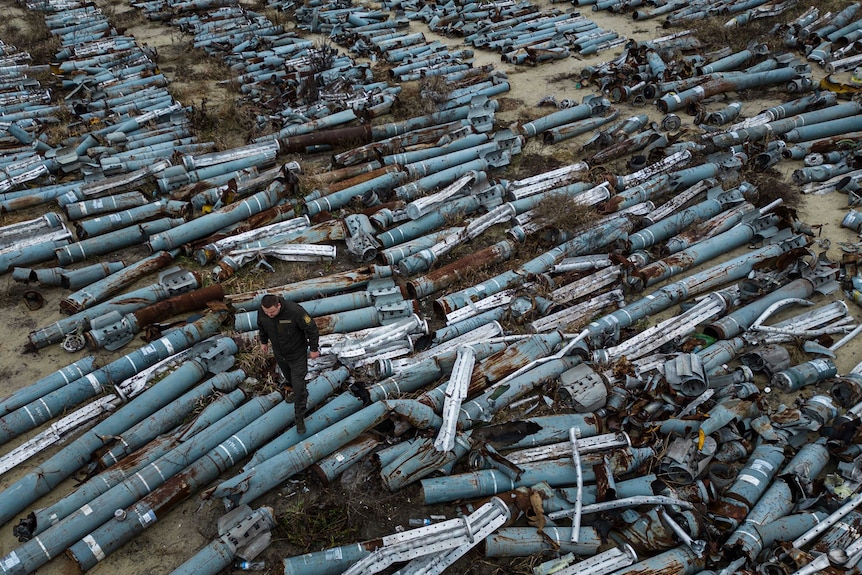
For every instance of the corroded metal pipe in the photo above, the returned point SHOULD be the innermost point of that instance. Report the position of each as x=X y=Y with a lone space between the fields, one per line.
x=673 y=102
x=98 y=291
x=114 y=335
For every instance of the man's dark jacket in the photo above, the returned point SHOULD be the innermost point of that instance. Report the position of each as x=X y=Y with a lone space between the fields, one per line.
x=292 y=332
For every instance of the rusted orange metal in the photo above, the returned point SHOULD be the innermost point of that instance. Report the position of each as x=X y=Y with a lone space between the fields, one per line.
x=361 y=178
x=339 y=136
x=179 y=304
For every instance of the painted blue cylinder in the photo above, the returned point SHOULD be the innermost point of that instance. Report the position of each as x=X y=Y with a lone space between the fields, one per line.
x=491 y=481
x=113 y=534
x=335 y=119
x=101 y=225
x=696 y=254
x=328 y=469
x=49 y=474
x=701 y=282
x=781 y=127
x=675 y=223
x=572 y=129
x=555 y=428
x=185 y=232
x=515 y=356
x=170 y=416
x=32 y=254
x=824 y=129
x=44 y=276
x=47 y=384
x=757 y=536
x=730 y=62
x=381 y=131
x=81 y=277
x=448 y=332
x=276 y=469
x=410 y=191
x=396 y=253
x=750 y=484
x=113 y=241
x=315 y=308
x=676 y=101
x=419 y=461
x=679 y=561
x=796 y=377
x=317 y=287
x=100 y=290
x=76 y=210
x=175 y=409
x=852 y=220
x=564 y=497
x=720 y=353
x=425 y=285
x=462 y=143
x=564 y=116
x=341 y=198
x=53 y=541
x=714 y=226
x=526 y=541
x=589 y=241
x=821 y=100
x=122 y=304
x=22 y=199
x=777 y=501
x=319 y=390
x=221 y=553
x=742 y=318
x=489 y=90
x=415 y=228
x=333 y=561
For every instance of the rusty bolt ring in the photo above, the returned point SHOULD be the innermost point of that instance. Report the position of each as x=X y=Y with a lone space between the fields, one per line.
x=33 y=300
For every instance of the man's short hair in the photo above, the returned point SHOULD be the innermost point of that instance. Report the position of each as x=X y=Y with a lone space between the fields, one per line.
x=269 y=300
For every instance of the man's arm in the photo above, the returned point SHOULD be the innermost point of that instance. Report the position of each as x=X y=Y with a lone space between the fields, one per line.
x=261 y=334
x=312 y=334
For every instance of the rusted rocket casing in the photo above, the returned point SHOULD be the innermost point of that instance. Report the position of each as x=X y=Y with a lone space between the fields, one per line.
x=118 y=333
x=96 y=292
x=443 y=277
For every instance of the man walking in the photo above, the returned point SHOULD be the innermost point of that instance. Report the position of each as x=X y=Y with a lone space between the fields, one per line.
x=292 y=333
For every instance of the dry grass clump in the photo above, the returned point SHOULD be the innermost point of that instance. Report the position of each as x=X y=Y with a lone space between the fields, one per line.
x=27 y=31
x=123 y=17
x=509 y=104
x=311 y=526
x=713 y=33
x=822 y=5
x=66 y=126
x=420 y=98
x=277 y=17
x=254 y=362
x=529 y=163
x=226 y=123
x=565 y=213
x=246 y=281
x=771 y=187
x=435 y=88
x=312 y=179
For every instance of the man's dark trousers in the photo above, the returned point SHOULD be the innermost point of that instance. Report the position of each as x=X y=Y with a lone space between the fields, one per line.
x=294 y=371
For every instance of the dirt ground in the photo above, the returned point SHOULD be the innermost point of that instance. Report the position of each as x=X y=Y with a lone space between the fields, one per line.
x=313 y=516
